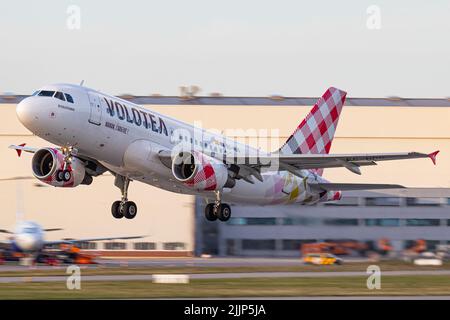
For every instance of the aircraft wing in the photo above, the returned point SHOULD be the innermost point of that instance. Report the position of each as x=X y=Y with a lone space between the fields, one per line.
x=295 y=162
x=250 y=166
x=21 y=147
x=73 y=241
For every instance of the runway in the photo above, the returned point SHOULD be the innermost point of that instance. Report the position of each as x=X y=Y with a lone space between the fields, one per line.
x=180 y=262
x=149 y=277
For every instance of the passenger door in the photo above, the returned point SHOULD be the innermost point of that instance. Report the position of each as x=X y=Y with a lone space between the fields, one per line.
x=95 y=116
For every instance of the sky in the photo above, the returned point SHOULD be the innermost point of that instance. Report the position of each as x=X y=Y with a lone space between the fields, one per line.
x=237 y=48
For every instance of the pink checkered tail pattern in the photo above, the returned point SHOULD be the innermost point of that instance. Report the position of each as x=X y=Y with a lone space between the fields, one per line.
x=315 y=133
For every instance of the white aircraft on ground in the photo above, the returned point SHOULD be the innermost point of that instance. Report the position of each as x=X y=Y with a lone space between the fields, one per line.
x=28 y=238
x=97 y=132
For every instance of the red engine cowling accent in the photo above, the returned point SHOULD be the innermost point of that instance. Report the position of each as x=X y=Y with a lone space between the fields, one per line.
x=200 y=172
x=47 y=161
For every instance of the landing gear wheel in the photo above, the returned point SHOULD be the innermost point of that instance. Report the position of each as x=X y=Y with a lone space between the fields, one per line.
x=116 y=211
x=129 y=210
x=59 y=175
x=224 y=213
x=210 y=215
x=66 y=175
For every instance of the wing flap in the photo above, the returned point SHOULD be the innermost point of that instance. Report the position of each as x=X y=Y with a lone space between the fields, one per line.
x=352 y=186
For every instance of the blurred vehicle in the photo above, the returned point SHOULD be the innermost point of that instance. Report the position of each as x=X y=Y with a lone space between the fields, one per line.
x=70 y=253
x=428 y=259
x=338 y=247
x=384 y=246
x=443 y=251
x=414 y=250
x=322 y=259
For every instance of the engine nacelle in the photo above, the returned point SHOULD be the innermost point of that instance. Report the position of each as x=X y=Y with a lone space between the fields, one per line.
x=47 y=161
x=201 y=172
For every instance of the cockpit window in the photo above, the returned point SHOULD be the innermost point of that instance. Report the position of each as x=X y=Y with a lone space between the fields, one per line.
x=29 y=230
x=35 y=93
x=45 y=93
x=68 y=97
x=60 y=96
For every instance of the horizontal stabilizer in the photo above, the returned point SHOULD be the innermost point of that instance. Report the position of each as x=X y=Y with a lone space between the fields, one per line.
x=352 y=186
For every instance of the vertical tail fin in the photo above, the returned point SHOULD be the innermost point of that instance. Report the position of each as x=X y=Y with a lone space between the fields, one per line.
x=316 y=132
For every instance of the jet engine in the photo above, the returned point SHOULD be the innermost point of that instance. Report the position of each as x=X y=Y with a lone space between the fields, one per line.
x=200 y=171
x=48 y=166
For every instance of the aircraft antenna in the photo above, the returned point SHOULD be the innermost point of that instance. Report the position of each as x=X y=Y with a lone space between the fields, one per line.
x=81 y=83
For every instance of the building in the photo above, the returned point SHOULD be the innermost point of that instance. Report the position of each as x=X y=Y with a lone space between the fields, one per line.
x=362 y=216
x=169 y=220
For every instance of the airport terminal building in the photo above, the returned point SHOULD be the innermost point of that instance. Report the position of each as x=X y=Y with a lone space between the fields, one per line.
x=173 y=224
x=361 y=216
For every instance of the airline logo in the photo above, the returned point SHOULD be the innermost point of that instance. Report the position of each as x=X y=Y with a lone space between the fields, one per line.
x=136 y=117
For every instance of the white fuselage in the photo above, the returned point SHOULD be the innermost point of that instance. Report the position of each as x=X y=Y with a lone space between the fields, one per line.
x=28 y=237
x=126 y=138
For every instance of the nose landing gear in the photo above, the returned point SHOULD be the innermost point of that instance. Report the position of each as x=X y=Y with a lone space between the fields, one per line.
x=123 y=208
x=217 y=210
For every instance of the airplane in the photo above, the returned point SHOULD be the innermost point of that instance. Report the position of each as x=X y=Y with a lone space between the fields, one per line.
x=96 y=132
x=28 y=239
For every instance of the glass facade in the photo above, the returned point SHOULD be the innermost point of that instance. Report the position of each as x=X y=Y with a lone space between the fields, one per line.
x=252 y=221
x=302 y=221
x=388 y=201
x=422 y=222
x=423 y=202
x=114 y=245
x=174 y=246
x=382 y=222
x=264 y=244
x=340 y=222
x=144 y=246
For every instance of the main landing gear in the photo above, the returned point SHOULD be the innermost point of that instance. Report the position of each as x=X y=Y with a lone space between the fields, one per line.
x=217 y=210
x=123 y=208
x=65 y=174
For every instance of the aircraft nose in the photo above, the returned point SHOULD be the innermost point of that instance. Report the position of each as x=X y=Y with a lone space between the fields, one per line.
x=24 y=112
x=25 y=242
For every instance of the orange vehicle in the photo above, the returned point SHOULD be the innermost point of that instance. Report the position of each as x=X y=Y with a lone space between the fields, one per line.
x=346 y=247
x=384 y=246
x=72 y=254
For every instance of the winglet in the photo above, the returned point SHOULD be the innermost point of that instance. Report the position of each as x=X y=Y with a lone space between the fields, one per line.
x=433 y=155
x=19 y=151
